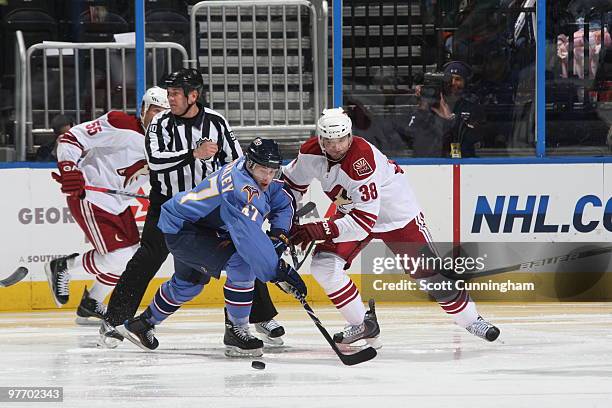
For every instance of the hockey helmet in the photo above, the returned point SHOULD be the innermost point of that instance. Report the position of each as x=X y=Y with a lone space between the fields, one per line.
x=264 y=152
x=188 y=79
x=334 y=124
x=155 y=96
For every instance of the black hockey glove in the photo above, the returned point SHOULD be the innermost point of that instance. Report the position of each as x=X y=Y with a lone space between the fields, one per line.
x=289 y=281
x=279 y=239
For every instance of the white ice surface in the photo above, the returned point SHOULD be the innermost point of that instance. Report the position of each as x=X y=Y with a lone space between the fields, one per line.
x=556 y=355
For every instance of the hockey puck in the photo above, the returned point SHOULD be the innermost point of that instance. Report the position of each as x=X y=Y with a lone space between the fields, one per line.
x=258 y=365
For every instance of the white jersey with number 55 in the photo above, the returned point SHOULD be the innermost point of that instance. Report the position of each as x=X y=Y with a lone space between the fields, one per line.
x=110 y=152
x=365 y=185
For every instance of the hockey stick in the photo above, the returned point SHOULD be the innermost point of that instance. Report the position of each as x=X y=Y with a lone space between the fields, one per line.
x=306 y=209
x=15 y=277
x=551 y=260
x=347 y=359
x=116 y=192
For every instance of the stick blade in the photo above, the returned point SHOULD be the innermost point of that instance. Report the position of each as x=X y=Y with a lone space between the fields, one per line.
x=15 y=277
x=360 y=357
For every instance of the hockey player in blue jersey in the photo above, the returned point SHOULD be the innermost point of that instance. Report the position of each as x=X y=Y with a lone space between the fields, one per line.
x=218 y=226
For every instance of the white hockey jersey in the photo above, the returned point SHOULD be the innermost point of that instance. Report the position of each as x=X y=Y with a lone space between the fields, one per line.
x=110 y=152
x=365 y=186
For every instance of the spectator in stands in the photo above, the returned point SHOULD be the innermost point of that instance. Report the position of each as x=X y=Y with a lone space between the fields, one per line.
x=60 y=125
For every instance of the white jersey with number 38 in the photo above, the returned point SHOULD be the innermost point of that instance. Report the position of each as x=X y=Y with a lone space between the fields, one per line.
x=365 y=185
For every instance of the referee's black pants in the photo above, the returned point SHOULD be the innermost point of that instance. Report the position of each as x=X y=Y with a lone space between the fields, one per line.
x=145 y=264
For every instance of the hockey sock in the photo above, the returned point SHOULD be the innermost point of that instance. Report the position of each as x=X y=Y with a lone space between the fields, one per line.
x=170 y=296
x=238 y=301
x=462 y=308
x=327 y=269
x=348 y=301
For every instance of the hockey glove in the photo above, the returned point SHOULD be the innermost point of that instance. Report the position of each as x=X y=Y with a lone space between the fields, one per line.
x=279 y=240
x=71 y=179
x=289 y=281
x=314 y=231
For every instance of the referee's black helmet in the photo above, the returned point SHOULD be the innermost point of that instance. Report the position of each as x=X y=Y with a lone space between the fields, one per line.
x=188 y=79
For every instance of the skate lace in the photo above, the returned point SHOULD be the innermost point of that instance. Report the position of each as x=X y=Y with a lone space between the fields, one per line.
x=353 y=330
x=479 y=328
x=63 y=283
x=150 y=334
x=100 y=308
x=270 y=325
x=243 y=332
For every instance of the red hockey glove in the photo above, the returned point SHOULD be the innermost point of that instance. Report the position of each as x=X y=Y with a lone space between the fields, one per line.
x=71 y=179
x=314 y=231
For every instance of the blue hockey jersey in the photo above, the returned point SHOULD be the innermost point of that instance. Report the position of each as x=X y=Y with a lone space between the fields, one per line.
x=229 y=200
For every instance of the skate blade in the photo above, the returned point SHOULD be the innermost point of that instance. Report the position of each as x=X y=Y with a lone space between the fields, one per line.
x=49 y=274
x=271 y=341
x=359 y=345
x=107 y=342
x=236 y=352
x=129 y=336
x=87 y=321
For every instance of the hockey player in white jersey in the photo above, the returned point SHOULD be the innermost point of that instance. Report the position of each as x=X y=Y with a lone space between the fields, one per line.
x=374 y=202
x=106 y=152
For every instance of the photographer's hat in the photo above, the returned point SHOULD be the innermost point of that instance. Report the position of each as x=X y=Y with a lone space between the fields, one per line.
x=458 y=68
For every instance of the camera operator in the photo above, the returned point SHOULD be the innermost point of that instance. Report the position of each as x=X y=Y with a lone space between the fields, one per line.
x=446 y=122
x=469 y=114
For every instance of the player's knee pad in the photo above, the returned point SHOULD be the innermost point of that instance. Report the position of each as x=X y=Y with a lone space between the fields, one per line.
x=439 y=287
x=327 y=269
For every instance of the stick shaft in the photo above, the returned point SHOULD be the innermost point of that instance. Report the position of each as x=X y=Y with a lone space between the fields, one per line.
x=115 y=192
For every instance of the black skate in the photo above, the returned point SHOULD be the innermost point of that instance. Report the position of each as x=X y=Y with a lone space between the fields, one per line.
x=90 y=311
x=369 y=331
x=109 y=336
x=59 y=279
x=271 y=332
x=483 y=329
x=239 y=342
x=140 y=332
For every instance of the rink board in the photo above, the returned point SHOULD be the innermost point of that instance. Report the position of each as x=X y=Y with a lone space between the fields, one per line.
x=37 y=225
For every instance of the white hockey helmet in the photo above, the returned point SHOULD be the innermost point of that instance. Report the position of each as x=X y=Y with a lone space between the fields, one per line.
x=334 y=124
x=155 y=96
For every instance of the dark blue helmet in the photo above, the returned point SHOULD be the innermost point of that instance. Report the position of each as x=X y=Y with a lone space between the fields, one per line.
x=265 y=152
x=186 y=78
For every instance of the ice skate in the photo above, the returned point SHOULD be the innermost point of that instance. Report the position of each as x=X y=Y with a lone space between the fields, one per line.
x=59 y=279
x=239 y=342
x=271 y=332
x=109 y=336
x=140 y=332
x=90 y=311
x=483 y=329
x=369 y=331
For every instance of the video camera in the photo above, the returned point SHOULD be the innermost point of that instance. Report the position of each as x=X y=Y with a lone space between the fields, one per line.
x=434 y=84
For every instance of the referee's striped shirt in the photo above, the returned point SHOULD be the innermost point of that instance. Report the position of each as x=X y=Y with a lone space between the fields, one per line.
x=170 y=142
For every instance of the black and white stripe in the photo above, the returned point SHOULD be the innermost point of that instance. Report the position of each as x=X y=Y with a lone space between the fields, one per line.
x=170 y=142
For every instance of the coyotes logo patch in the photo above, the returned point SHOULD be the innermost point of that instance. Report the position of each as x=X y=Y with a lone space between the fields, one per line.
x=362 y=167
x=251 y=192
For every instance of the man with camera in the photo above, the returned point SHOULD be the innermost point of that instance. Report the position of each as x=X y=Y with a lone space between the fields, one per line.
x=447 y=120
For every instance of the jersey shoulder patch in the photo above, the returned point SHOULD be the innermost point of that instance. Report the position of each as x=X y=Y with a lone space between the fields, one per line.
x=359 y=162
x=122 y=120
x=311 y=146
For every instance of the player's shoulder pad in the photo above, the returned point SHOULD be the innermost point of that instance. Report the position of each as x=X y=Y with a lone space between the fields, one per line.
x=311 y=146
x=122 y=120
x=359 y=161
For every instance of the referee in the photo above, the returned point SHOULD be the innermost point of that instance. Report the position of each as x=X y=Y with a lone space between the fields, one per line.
x=183 y=146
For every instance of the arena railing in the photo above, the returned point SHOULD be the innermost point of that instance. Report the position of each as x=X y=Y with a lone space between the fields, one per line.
x=107 y=81
x=20 y=96
x=266 y=44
